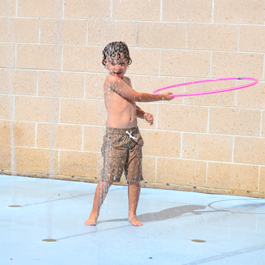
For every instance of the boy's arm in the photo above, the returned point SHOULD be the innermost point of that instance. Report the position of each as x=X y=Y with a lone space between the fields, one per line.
x=139 y=113
x=124 y=90
x=144 y=115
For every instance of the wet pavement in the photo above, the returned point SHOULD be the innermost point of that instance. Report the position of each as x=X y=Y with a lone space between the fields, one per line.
x=225 y=229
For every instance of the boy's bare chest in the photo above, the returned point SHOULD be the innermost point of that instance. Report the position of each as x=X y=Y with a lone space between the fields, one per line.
x=116 y=102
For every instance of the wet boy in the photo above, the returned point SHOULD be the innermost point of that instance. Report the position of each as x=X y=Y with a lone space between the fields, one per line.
x=122 y=143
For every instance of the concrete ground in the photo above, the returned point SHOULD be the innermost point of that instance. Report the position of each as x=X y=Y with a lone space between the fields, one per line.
x=232 y=227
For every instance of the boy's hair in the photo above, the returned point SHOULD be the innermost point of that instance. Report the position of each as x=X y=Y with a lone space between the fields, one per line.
x=116 y=48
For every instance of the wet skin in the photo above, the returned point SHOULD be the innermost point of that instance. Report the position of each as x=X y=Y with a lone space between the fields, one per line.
x=122 y=112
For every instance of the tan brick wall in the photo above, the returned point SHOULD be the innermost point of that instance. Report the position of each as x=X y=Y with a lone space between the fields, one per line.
x=71 y=31
x=52 y=109
x=22 y=29
x=236 y=11
x=7 y=54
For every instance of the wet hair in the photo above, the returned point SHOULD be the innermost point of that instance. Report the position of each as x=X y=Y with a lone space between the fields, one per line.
x=115 y=49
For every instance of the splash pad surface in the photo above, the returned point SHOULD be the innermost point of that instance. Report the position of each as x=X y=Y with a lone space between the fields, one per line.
x=209 y=92
x=172 y=219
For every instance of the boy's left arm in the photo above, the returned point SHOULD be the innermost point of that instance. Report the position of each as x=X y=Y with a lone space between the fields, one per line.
x=144 y=115
x=139 y=112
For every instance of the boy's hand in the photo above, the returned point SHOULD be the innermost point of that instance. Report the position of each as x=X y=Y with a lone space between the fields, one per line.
x=149 y=118
x=166 y=96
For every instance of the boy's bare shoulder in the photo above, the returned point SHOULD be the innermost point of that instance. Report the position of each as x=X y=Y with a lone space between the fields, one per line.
x=127 y=80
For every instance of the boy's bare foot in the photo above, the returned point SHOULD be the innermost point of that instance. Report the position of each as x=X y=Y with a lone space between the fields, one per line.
x=92 y=220
x=134 y=221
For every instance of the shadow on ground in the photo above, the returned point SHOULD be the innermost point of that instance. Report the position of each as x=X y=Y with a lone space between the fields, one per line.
x=164 y=214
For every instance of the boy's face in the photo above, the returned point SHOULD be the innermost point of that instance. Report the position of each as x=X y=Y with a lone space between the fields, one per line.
x=117 y=65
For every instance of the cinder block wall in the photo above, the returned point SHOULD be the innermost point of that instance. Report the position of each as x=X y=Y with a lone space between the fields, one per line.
x=212 y=143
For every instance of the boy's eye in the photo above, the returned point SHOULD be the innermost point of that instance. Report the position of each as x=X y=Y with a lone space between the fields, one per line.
x=122 y=64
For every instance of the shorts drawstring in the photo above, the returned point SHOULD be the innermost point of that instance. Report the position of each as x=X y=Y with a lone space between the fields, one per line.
x=130 y=135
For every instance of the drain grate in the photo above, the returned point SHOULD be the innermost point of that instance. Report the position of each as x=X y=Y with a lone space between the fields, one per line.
x=198 y=240
x=49 y=240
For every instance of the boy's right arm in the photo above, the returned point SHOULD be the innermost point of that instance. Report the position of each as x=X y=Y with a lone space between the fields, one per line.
x=125 y=91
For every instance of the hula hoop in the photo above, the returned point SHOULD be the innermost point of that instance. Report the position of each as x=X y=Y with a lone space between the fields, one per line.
x=209 y=92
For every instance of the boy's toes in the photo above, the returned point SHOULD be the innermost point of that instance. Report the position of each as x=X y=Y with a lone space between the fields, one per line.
x=134 y=221
x=91 y=222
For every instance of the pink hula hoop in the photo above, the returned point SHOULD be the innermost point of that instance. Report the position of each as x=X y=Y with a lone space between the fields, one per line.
x=209 y=92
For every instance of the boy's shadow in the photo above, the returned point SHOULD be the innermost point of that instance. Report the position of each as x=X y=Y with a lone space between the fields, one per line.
x=164 y=214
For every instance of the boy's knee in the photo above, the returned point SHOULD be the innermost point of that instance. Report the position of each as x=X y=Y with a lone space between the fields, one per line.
x=105 y=183
x=135 y=183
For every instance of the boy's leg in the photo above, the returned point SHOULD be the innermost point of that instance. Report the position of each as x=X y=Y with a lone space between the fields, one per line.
x=133 y=173
x=134 y=188
x=100 y=194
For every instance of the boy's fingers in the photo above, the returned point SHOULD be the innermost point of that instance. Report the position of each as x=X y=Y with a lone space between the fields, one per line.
x=149 y=118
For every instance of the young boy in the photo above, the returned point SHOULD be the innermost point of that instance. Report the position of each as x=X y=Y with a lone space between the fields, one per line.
x=122 y=143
